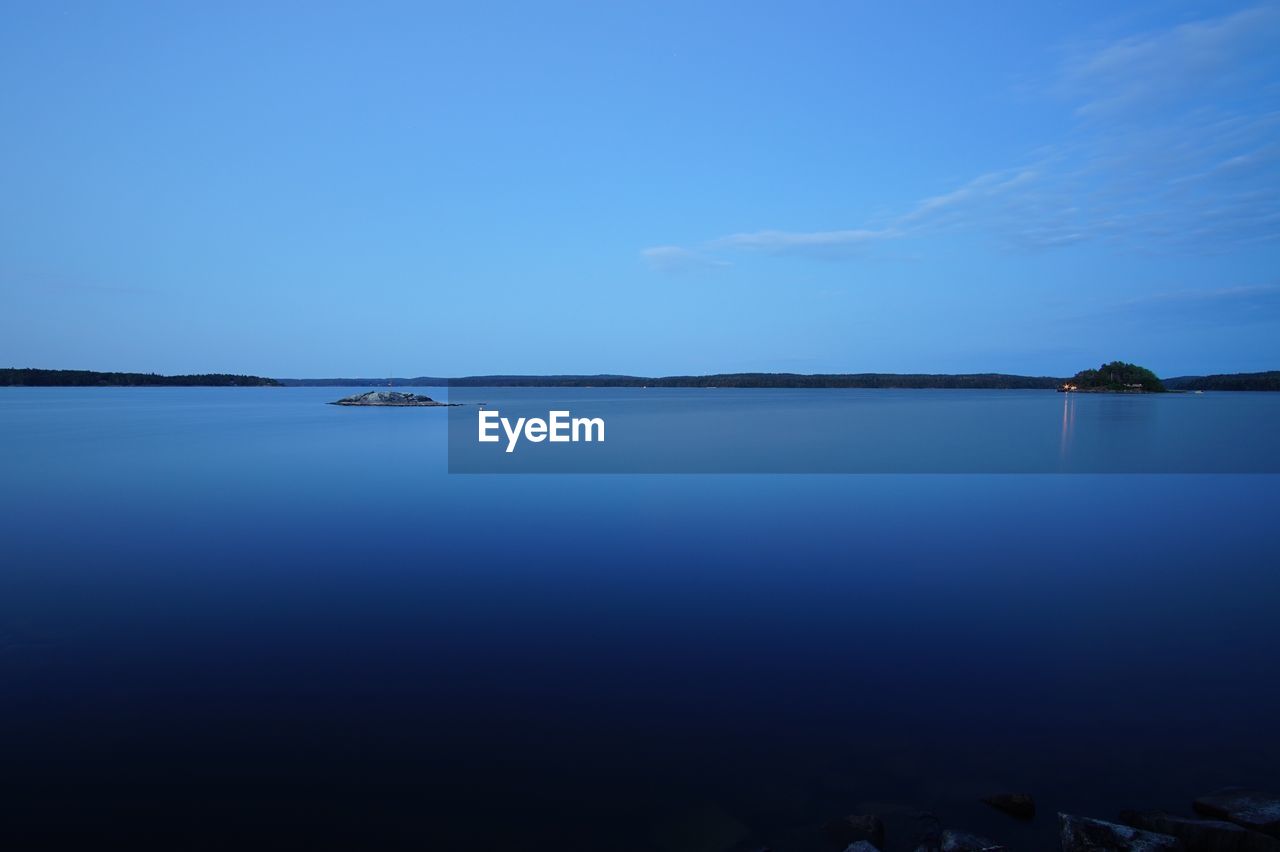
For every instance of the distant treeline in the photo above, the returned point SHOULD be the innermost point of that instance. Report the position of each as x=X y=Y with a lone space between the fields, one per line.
x=88 y=378
x=773 y=380
x=723 y=380
x=1268 y=381
x=418 y=382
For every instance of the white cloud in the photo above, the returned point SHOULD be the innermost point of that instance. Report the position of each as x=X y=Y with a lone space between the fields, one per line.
x=678 y=259
x=780 y=241
x=1169 y=66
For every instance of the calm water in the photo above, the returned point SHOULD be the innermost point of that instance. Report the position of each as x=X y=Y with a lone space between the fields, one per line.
x=233 y=618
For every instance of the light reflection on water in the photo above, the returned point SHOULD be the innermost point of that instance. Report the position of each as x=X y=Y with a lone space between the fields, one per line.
x=1068 y=421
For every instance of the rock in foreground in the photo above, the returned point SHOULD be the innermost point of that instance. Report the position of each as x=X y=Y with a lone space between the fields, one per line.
x=1202 y=835
x=861 y=846
x=389 y=398
x=1080 y=834
x=1250 y=808
x=960 y=841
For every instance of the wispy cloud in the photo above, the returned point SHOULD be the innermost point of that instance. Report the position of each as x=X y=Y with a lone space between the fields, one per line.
x=1175 y=146
x=1167 y=67
x=782 y=241
x=679 y=259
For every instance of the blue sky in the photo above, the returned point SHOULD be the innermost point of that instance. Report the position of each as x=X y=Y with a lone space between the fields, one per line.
x=320 y=189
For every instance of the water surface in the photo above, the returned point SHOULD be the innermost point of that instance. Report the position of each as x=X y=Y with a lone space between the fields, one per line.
x=235 y=617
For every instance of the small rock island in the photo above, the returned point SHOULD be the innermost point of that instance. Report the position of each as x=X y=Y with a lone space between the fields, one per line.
x=1116 y=377
x=390 y=398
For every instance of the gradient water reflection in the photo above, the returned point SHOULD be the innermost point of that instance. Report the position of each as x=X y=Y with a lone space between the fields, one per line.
x=230 y=617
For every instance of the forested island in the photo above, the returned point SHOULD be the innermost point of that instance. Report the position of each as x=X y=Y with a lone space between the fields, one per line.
x=1115 y=377
x=29 y=377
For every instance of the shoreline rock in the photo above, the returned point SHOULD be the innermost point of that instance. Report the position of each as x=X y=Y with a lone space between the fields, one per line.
x=1082 y=834
x=1252 y=809
x=962 y=841
x=1230 y=820
x=1202 y=835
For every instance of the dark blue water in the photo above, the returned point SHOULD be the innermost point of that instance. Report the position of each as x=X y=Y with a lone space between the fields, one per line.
x=241 y=618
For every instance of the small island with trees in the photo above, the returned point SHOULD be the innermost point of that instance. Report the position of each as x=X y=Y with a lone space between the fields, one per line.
x=1116 y=377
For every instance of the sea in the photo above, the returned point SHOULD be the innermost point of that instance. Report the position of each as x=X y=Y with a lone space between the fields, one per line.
x=241 y=618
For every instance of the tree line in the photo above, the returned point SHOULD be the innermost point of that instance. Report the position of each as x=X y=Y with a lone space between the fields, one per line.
x=28 y=377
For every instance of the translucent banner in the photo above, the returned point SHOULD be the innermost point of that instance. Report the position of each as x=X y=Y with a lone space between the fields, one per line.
x=714 y=430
